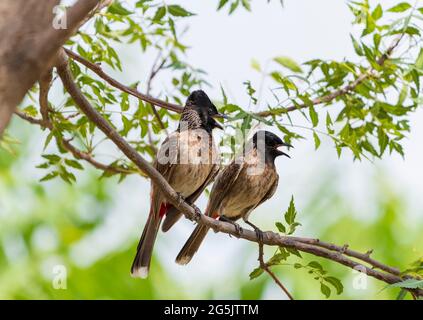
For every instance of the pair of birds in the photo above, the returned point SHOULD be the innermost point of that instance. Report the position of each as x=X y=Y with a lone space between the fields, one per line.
x=189 y=160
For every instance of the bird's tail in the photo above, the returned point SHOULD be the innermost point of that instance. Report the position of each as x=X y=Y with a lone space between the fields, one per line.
x=192 y=245
x=141 y=265
x=172 y=216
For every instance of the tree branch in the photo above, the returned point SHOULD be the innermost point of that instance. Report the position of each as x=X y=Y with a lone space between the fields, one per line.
x=77 y=153
x=340 y=92
x=114 y=83
x=173 y=107
x=28 y=45
x=269 y=238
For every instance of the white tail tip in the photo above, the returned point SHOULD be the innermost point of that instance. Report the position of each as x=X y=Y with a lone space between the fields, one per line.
x=183 y=260
x=140 y=273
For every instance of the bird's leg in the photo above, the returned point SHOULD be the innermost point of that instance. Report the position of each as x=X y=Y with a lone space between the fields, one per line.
x=258 y=232
x=236 y=225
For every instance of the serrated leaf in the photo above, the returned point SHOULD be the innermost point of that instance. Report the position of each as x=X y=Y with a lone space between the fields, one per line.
x=288 y=63
x=291 y=212
x=408 y=284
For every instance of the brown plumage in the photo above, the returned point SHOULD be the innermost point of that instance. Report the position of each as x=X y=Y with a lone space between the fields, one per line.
x=188 y=159
x=248 y=181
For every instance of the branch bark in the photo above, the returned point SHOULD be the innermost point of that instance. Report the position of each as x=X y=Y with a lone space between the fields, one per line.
x=269 y=238
x=28 y=45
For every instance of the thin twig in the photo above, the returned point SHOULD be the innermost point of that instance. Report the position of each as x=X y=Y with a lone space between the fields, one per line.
x=340 y=92
x=77 y=153
x=266 y=268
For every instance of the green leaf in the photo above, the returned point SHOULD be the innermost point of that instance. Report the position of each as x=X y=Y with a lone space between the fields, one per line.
x=401 y=7
x=49 y=176
x=377 y=12
x=408 y=284
x=336 y=283
x=288 y=63
x=294 y=252
x=316 y=140
x=280 y=227
x=357 y=46
x=117 y=8
x=52 y=158
x=160 y=13
x=74 y=164
x=30 y=110
x=256 y=273
x=325 y=290
x=222 y=4
x=313 y=116
x=178 y=11
x=255 y=65
x=315 y=265
x=419 y=61
x=291 y=212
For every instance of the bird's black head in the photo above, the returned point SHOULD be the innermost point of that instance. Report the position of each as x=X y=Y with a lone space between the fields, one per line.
x=205 y=112
x=271 y=144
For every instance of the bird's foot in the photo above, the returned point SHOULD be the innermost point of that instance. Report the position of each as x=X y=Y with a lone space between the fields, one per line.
x=238 y=228
x=181 y=198
x=197 y=215
x=259 y=233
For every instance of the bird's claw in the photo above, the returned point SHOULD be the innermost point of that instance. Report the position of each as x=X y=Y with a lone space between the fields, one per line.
x=238 y=230
x=259 y=234
x=197 y=216
x=181 y=198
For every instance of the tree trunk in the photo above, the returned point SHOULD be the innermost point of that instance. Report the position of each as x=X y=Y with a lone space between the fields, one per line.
x=28 y=45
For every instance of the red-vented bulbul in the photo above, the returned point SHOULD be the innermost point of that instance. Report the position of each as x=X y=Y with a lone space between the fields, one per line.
x=248 y=181
x=189 y=160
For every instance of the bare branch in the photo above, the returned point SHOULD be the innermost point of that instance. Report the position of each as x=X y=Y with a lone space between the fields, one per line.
x=269 y=238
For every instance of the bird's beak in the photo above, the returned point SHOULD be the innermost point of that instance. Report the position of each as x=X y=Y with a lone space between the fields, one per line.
x=280 y=152
x=219 y=116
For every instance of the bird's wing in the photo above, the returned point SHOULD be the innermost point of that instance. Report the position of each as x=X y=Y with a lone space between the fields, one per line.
x=165 y=163
x=270 y=192
x=173 y=214
x=223 y=184
x=168 y=155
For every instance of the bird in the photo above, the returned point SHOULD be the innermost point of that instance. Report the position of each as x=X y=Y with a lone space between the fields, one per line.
x=189 y=160
x=248 y=181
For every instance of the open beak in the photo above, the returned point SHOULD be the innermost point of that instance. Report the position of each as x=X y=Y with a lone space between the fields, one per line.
x=280 y=152
x=219 y=116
